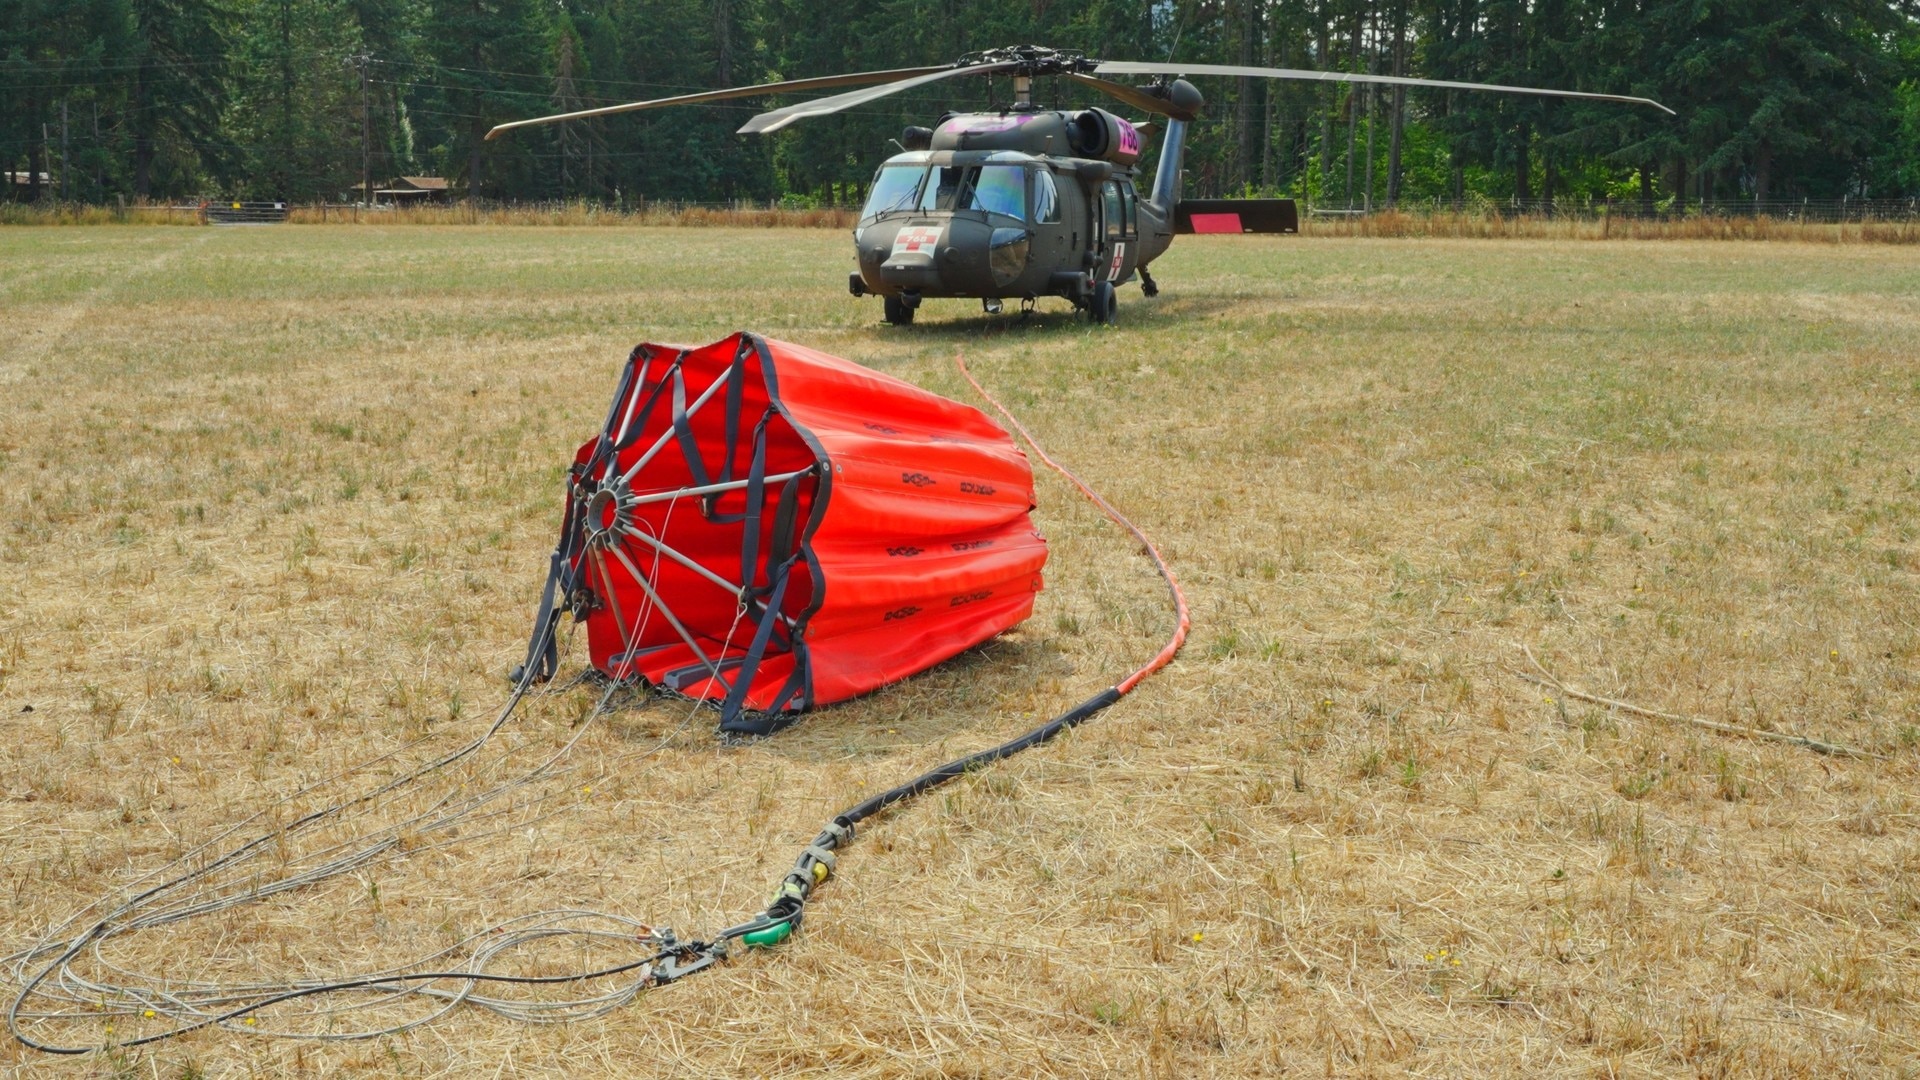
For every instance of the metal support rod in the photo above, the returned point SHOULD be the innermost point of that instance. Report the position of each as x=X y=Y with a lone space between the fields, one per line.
x=670 y=553
x=647 y=586
x=667 y=435
x=633 y=393
x=613 y=601
x=730 y=587
x=709 y=489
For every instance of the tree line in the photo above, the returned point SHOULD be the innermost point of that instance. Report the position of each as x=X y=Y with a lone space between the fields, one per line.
x=307 y=100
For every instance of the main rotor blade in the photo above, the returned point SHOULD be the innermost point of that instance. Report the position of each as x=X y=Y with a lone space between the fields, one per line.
x=1131 y=67
x=768 y=122
x=1132 y=95
x=826 y=82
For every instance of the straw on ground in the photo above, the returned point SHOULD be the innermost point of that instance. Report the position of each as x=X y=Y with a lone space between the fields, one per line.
x=283 y=503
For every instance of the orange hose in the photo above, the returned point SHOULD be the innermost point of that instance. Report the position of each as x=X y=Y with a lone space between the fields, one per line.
x=1185 y=622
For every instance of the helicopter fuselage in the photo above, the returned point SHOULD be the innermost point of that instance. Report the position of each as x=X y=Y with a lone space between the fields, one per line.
x=1016 y=204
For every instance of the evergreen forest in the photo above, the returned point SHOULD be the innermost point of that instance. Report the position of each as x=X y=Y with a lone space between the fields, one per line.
x=302 y=99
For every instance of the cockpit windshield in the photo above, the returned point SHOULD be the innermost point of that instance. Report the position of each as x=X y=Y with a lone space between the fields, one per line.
x=943 y=187
x=894 y=189
x=996 y=189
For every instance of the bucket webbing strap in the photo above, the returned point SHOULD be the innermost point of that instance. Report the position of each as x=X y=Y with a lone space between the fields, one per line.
x=622 y=439
x=736 y=385
x=690 y=446
x=750 y=516
x=731 y=710
x=774 y=717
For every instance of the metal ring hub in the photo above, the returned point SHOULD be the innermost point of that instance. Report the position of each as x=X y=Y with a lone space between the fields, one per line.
x=608 y=511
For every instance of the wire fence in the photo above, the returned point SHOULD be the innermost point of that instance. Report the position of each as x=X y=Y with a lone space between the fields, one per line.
x=1819 y=211
x=1895 y=220
x=746 y=213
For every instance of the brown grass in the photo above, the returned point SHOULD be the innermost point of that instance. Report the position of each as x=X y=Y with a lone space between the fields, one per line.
x=1484 y=224
x=83 y=214
x=667 y=215
x=277 y=500
x=575 y=214
x=1493 y=225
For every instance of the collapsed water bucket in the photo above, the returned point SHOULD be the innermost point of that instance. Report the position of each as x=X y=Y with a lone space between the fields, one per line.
x=770 y=528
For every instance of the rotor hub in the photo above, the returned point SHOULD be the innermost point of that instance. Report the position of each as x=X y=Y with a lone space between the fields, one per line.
x=1033 y=60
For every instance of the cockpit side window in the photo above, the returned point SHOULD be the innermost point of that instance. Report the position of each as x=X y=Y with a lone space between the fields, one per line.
x=1046 y=198
x=894 y=188
x=1000 y=189
x=1118 y=203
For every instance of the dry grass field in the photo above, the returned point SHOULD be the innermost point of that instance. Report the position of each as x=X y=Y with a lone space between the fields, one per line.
x=276 y=501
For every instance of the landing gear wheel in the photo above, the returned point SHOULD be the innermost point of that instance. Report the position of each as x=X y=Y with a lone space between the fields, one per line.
x=899 y=313
x=1103 y=305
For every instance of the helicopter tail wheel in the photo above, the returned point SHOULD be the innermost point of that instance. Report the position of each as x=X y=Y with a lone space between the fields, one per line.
x=898 y=311
x=1103 y=306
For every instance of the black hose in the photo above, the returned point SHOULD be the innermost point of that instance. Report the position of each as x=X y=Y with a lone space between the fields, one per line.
x=933 y=778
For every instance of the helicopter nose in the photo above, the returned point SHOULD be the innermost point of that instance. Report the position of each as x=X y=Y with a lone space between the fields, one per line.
x=909 y=260
x=916 y=247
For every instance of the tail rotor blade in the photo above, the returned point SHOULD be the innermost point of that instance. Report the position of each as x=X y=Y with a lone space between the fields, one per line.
x=1131 y=67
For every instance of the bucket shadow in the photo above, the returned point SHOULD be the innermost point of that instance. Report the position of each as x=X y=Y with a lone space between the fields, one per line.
x=983 y=686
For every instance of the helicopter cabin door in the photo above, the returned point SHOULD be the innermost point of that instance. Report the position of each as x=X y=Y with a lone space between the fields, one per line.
x=1052 y=223
x=1119 y=232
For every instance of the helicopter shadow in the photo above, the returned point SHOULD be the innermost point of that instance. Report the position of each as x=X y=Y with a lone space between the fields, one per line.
x=966 y=326
x=963 y=325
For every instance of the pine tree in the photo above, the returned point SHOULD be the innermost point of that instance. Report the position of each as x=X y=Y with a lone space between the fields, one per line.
x=295 y=113
x=177 y=94
x=489 y=65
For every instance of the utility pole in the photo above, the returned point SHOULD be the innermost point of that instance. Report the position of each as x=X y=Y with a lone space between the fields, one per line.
x=1399 y=103
x=1373 y=67
x=1353 y=107
x=65 y=193
x=364 y=62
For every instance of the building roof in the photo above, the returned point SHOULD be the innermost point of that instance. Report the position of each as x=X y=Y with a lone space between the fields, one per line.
x=418 y=183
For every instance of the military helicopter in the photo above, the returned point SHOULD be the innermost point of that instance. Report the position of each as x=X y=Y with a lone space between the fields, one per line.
x=1023 y=201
